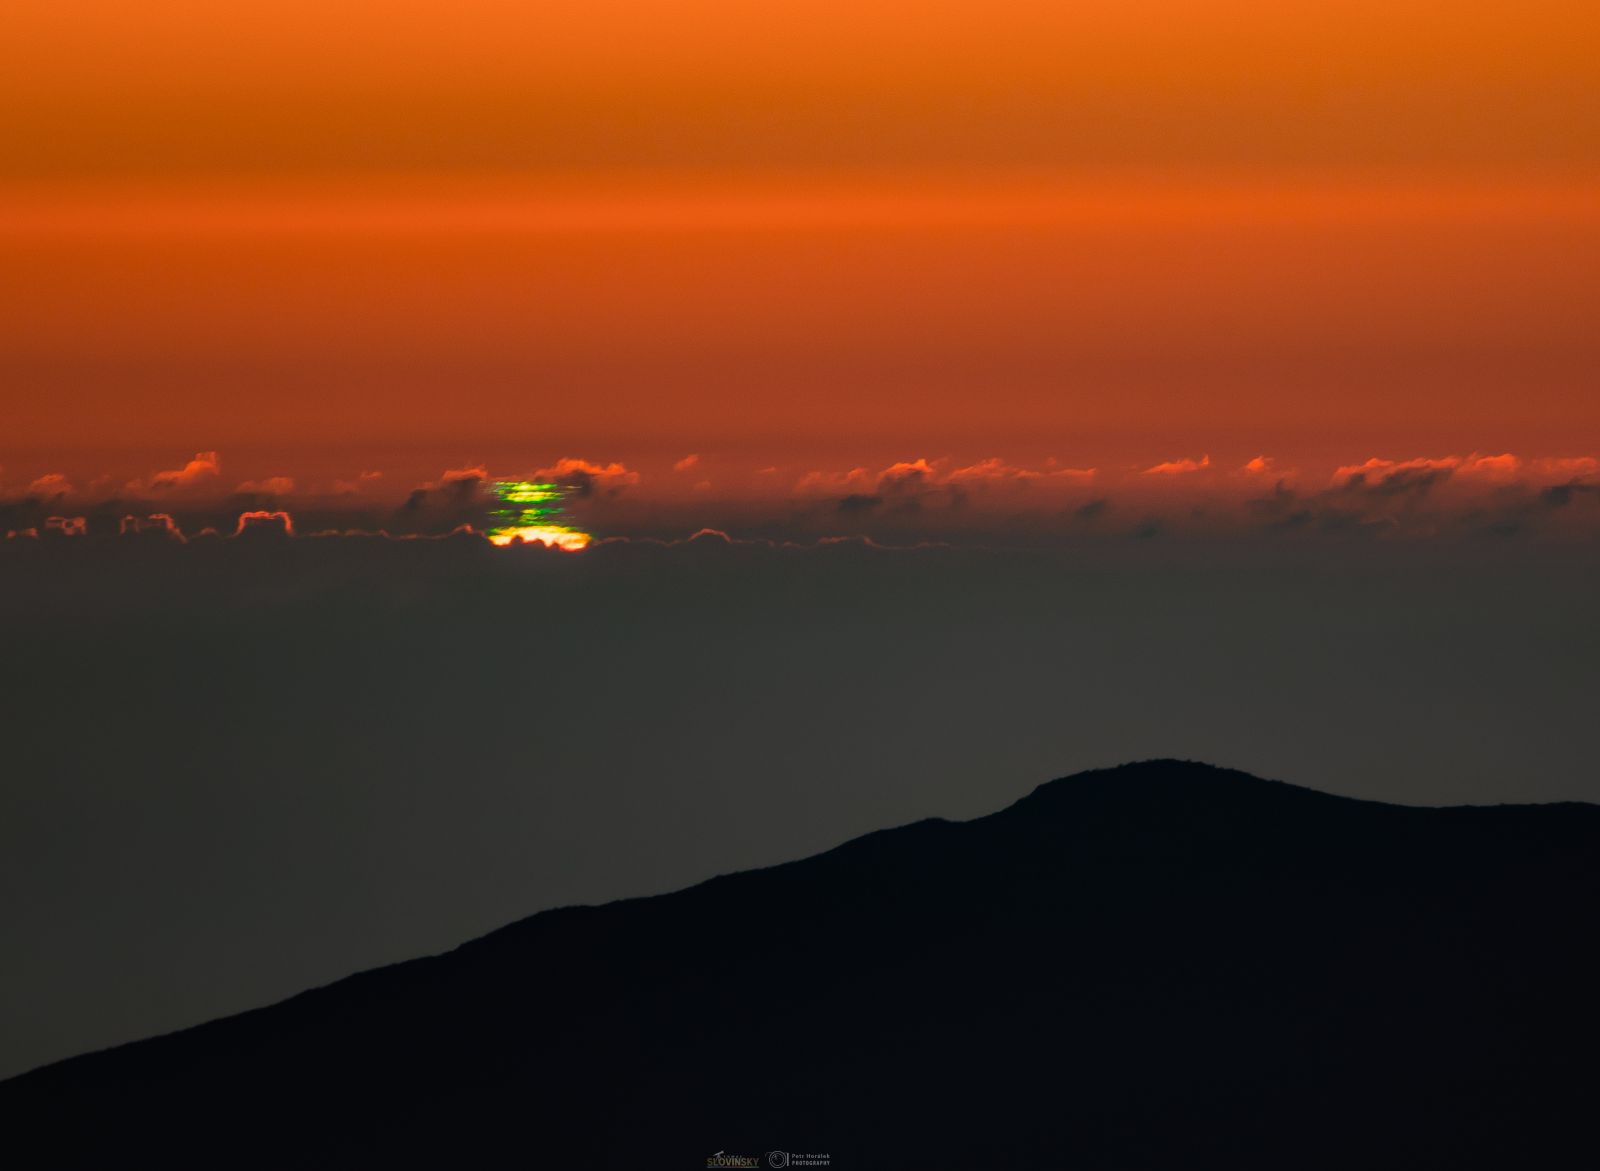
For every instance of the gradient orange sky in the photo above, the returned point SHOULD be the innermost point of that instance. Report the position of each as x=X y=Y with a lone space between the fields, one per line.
x=1094 y=231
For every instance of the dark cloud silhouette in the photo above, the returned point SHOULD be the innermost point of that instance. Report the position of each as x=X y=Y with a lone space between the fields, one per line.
x=1561 y=495
x=859 y=502
x=1414 y=482
x=990 y=502
x=260 y=524
x=459 y=498
x=66 y=526
x=157 y=525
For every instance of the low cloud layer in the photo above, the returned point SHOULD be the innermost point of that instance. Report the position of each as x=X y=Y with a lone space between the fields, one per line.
x=985 y=502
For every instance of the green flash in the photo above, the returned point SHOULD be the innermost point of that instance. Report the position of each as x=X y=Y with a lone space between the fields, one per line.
x=526 y=511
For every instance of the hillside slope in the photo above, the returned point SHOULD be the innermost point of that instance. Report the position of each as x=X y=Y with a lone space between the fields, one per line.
x=1159 y=965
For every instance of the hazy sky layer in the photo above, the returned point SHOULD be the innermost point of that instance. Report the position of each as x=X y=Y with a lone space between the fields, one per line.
x=1302 y=319
x=778 y=228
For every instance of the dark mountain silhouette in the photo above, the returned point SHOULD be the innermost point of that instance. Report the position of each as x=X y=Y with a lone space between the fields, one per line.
x=1160 y=965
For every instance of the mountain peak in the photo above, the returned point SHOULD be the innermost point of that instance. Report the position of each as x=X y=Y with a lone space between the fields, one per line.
x=1154 y=965
x=1161 y=788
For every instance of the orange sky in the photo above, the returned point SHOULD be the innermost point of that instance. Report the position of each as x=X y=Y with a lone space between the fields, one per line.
x=104 y=86
x=1087 y=231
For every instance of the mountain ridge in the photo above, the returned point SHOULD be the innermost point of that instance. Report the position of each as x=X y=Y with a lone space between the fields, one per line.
x=1230 y=926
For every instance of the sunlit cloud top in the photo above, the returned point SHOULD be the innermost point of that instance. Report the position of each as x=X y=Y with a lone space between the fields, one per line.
x=572 y=503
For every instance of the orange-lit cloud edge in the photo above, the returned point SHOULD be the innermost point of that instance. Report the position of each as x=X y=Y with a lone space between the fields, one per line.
x=922 y=499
